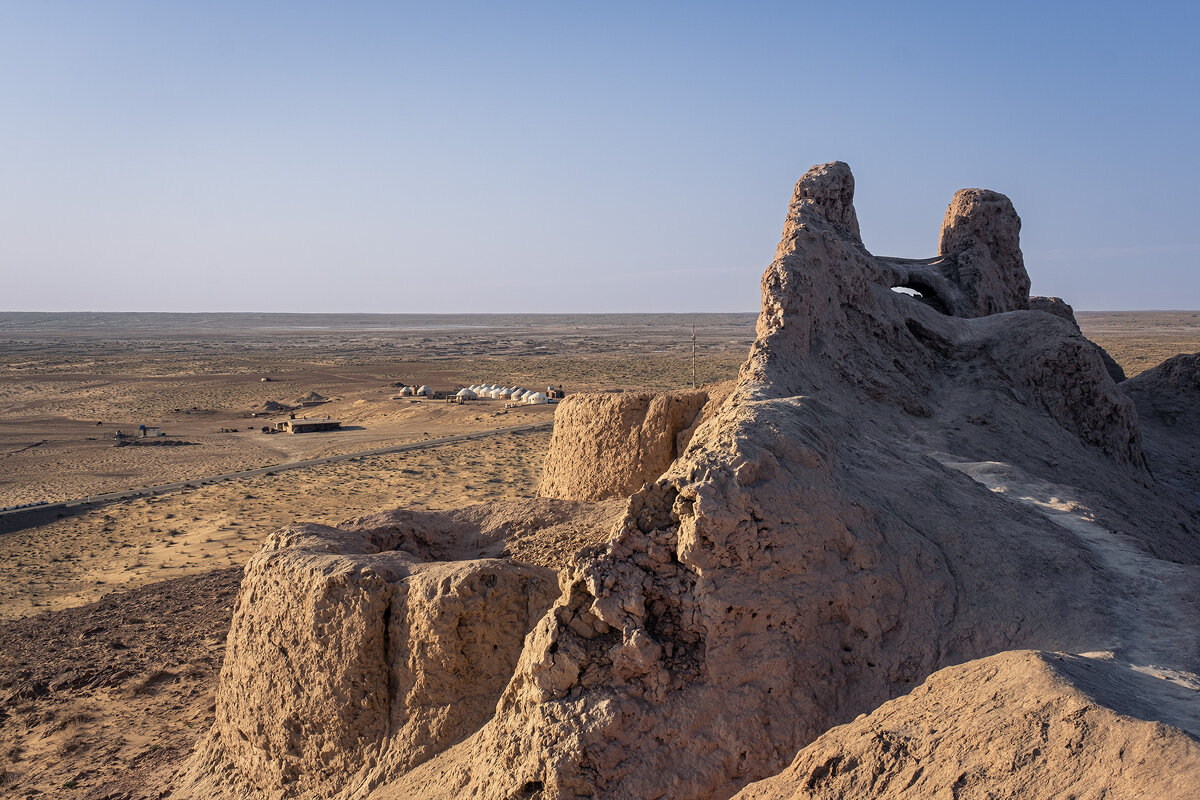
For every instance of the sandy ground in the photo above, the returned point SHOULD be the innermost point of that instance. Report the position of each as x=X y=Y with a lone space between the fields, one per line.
x=79 y=558
x=1139 y=340
x=99 y=701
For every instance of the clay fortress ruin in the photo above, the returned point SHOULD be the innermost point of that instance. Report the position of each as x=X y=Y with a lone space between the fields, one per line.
x=931 y=544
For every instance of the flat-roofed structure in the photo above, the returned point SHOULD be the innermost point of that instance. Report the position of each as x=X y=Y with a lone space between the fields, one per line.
x=305 y=425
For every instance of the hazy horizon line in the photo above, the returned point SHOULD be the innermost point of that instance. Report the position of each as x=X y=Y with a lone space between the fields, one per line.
x=523 y=313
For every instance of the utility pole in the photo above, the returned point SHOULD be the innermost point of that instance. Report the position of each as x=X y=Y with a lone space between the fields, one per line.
x=693 y=355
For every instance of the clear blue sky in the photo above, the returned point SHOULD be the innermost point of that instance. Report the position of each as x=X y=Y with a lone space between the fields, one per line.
x=566 y=156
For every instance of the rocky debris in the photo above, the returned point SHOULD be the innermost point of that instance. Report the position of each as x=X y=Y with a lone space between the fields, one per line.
x=1062 y=309
x=1022 y=725
x=610 y=444
x=270 y=406
x=895 y=485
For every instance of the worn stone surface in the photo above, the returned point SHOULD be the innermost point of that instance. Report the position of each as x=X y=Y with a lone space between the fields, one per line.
x=609 y=444
x=979 y=269
x=1021 y=725
x=1053 y=305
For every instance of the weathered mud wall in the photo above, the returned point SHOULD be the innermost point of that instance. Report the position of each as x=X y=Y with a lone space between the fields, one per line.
x=610 y=444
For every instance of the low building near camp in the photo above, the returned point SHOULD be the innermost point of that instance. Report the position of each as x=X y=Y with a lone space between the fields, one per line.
x=305 y=425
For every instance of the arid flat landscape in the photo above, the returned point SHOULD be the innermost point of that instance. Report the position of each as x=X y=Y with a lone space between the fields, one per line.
x=69 y=382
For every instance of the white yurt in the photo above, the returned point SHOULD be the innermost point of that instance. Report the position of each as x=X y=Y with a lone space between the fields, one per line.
x=519 y=394
x=536 y=399
x=406 y=391
x=495 y=394
x=423 y=390
x=505 y=394
x=467 y=394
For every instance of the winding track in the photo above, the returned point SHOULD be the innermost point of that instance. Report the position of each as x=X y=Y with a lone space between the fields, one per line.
x=148 y=491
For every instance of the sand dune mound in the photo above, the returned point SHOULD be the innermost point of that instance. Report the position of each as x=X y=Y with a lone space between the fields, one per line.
x=897 y=483
x=1022 y=725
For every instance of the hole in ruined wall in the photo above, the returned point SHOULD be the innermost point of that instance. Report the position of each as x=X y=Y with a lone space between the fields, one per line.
x=924 y=294
x=531 y=788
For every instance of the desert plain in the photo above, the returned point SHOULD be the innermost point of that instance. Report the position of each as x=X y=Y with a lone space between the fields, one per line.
x=163 y=567
x=114 y=611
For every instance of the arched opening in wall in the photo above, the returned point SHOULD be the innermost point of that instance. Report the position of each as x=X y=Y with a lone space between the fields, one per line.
x=924 y=294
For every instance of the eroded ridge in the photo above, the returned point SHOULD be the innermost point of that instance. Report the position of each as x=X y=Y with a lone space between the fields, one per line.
x=815 y=548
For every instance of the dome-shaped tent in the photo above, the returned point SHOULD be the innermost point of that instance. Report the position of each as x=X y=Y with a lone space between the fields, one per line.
x=505 y=394
x=467 y=394
x=536 y=399
x=423 y=391
x=406 y=391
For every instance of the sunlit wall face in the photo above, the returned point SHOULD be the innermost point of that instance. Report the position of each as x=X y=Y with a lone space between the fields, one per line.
x=608 y=157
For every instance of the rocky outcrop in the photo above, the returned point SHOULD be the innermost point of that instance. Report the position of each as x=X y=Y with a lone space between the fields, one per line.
x=1062 y=309
x=979 y=269
x=829 y=538
x=981 y=240
x=1053 y=305
x=610 y=444
x=895 y=485
x=1020 y=725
